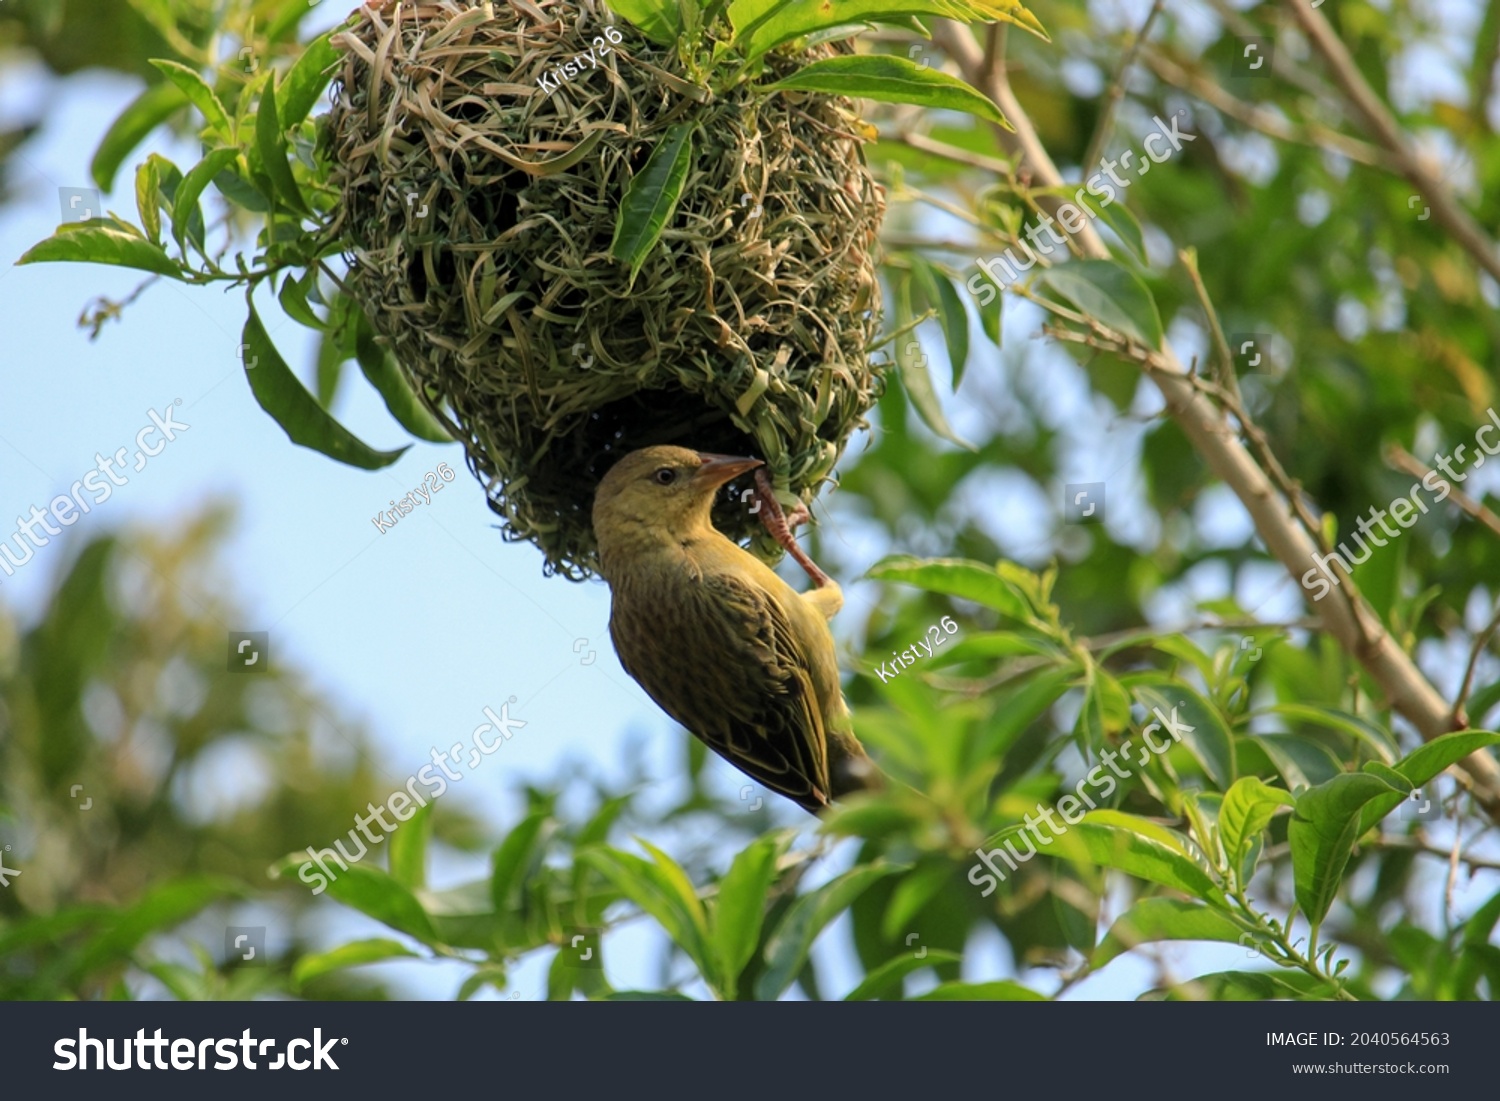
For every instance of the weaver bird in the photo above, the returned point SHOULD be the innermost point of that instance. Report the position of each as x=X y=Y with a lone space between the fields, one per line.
x=715 y=637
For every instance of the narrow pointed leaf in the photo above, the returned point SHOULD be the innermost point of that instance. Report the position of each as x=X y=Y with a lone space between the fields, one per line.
x=270 y=140
x=199 y=94
x=1425 y=763
x=305 y=422
x=185 y=204
x=741 y=908
x=885 y=981
x=307 y=79
x=1110 y=294
x=786 y=951
x=658 y=20
x=98 y=244
x=651 y=198
x=379 y=366
x=408 y=849
x=1158 y=919
x=144 y=114
x=890 y=80
x=354 y=954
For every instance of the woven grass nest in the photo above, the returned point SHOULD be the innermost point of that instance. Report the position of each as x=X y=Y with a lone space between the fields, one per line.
x=481 y=209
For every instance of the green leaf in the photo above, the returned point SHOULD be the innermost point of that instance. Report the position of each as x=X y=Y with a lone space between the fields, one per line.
x=939 y=291
x=238 y=189
x=307 y=79
x=1323 y=829
x=658 y=20
x=646 y=996
x=485 y=976
x=1134 y=845
x=1301 y=761
x=185 y=204
x=1253 y=986
x=161 y=908
x=1477 y=951
x=270 y=140
x=916 y=377
x=97 y=244
x=379 y=366
x=886 y=979
x=955 y=326
x=890 y=80
x=741 y=908
x=651 y=198
x=305 y=421
x=1118 y=217
x=661 y=895
x=353 y=954
x=954 y=577
x=1209 y=740
x=674 y=881
x=787 y=949
x=988 y=645
x=144 y=114
x=372 y=892
x=1248 y=807
x=512 y=857
x=1158 y=919
x=1110 y=294
x=1005 y=991
x=148 y=198
x=761 y=25
x=1357 y=728
x=199 y=94
x=336 y=347
x=1421 y=765
x=408 y=849
x=293 y=299
x=596 y=830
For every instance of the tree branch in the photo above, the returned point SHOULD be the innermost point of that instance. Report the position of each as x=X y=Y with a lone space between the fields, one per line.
x=1384 y=127
x=1347 y=616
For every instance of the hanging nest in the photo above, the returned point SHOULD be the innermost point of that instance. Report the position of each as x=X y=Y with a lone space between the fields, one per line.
x=481 y=209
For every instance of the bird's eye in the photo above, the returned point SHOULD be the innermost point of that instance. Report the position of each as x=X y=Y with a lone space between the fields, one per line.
x=665 y=476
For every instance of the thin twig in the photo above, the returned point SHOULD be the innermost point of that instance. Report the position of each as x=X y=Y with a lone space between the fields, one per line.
x=1224 y=359
x=953 y=153
x=1401 y=459
x=1382 y=124
x=1117 y=90
x=1460 y=719
x=1398 y=843
x=1453 y=855
x=1270 y=123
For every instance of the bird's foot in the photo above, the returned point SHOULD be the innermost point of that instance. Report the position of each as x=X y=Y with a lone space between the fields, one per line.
x=780 y=526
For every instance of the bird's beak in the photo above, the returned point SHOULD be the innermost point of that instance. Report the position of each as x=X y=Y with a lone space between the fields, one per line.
x=718 y=469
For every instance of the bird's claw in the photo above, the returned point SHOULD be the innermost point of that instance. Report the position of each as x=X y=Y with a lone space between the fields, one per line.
x=780 y=526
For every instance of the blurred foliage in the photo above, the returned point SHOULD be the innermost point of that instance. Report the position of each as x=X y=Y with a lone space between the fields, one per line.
x=1274 y=822
x=142 y=782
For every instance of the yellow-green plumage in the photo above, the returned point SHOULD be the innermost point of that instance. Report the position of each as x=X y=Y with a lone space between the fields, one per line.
x=716 y=638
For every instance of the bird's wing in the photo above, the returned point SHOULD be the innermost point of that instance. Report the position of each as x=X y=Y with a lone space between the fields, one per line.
x=740 y=681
